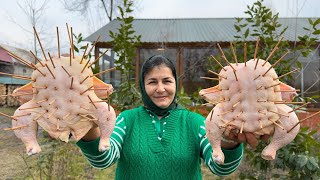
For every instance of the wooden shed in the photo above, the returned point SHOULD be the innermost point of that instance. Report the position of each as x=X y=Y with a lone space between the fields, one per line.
x=189 y=43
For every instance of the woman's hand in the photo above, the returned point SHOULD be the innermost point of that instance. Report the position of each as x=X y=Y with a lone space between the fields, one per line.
x=232 y=139
x=92 y=134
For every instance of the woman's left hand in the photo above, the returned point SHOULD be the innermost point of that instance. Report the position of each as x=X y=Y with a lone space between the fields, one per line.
x=244 y=137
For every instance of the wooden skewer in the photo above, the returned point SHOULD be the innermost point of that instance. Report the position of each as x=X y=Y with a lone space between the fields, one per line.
x=299 y=107
x=58 y=42
x=286 y=74
x=92 y=102
x=84 y=67
x=245 y=54
x=235 y=75
x=51 y=60
x=40 y=87
x=274 y=122
x=11 y=117
x=44 y=54
x=39 y=116
x=273 y=65
x=211 y=115
x=239 y=114
x=218 y=63
x=236 y=104
x=259 y=87
x=52 y=102
x=85 y=108
x=217 y=74
x=242 y=124
x=206 y=104
x=279 y=113
x=72 y=46
x=225 y=58
x=227 y=123
x=69 y=36
x=97 y=59
x=66 y=71
x=256 y=49
x=28 y=114
x=226 y=112
x=84 y=116
x=303 y=120
x=71 y=83
x=234 y=53
x=15 y=76
x=15 y=128
x=216 y=79
x=270 y=55
x=296 y=90
x=36 y=58
x=94 y=44
x=58 y=124
x=84 y=79
x=257 y=77
x=70 y=51
x=39 y=70
x=104 y=71
x=255 y=67
x=84 y=52
x=19 y=59
x=20 y=94
x=273 y=50
x=34 y=107
x=86 y=90
x=52 y=113
x=288 y=102
x=261 y=126
x=50 y=71
x=273 y=85
x=44 y=100
x=64 y=117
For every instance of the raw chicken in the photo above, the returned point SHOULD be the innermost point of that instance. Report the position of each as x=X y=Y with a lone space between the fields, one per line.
x=64 y=98
x=250 y=98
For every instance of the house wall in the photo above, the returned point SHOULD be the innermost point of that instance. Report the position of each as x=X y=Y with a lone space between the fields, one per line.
x=22 y=70
x=7 y=68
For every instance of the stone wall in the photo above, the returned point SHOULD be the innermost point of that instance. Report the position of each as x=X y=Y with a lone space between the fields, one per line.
x=6 y=89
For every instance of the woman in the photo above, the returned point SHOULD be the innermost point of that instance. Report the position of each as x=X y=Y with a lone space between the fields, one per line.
x=160 y=140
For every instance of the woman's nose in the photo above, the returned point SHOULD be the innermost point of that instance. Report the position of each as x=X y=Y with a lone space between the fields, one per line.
x=160 y=88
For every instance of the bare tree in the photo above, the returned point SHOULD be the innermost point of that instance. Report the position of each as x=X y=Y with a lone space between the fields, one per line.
x=34 y=12
x=89 y=7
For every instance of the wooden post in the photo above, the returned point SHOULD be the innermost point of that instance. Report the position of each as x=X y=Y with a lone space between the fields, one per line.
x=179 y=65
x=137 y=66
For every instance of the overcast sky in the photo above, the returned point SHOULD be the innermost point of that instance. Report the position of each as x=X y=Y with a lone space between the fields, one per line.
x=56 y=15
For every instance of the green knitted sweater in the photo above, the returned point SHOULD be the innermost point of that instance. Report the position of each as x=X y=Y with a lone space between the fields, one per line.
x=144 y=156
x=144 y=152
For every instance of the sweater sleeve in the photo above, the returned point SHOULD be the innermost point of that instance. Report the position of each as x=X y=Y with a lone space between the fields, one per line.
x=101 y=160
x=232 y=157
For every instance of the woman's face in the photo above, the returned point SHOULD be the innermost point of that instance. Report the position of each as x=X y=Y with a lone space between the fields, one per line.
x=160 y=85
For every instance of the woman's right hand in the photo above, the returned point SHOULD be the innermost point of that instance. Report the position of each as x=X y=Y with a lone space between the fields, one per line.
x=92 y=134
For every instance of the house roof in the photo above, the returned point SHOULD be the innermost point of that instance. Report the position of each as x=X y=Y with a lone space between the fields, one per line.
x=4 y=57
x=192 y=30
x=24 y=54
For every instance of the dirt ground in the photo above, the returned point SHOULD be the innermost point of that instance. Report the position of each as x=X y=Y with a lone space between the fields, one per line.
x=12 y=150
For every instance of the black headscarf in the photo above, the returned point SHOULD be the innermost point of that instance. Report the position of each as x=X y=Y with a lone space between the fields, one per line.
x=147 y=66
